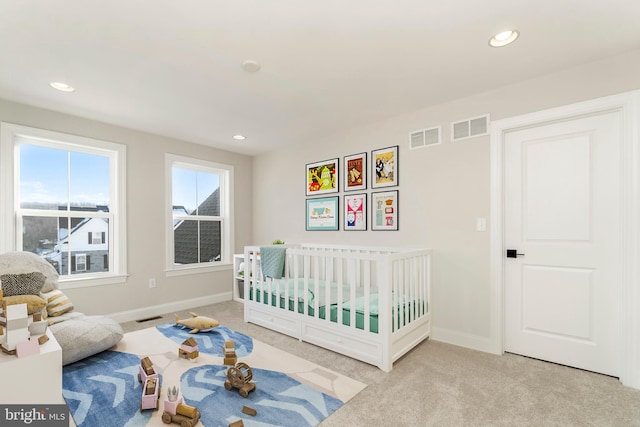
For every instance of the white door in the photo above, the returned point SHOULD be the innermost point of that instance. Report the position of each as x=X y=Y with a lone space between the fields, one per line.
x=563 y=213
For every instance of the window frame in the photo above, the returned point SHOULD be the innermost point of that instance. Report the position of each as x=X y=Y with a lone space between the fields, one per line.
x=11 y=213
x=226 y=215
x=84 y=262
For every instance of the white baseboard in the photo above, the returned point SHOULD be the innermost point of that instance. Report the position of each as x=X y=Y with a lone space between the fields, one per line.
x=474 y=342
x=157 y=310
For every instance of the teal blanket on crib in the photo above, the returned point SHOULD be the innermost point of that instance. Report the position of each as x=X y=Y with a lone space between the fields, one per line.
x=272 y=261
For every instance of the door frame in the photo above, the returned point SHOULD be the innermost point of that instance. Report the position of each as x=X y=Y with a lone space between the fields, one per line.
x=628 y=104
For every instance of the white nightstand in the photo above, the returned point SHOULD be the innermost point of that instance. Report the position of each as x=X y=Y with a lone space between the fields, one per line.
x=40 y=375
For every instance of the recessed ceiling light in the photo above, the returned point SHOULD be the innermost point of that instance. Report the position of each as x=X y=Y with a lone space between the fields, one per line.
x=250 y=66
x=503 y=38
x=239 y=137
x=62 y=86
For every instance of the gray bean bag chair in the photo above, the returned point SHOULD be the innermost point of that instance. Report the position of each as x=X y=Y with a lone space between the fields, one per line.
x=79 y=335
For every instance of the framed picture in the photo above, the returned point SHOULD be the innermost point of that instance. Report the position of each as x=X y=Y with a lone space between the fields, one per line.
x=384 y=167
x=355 y=212
x=384 y=210
x=322 y=213
x=322 y=177
x=355 y=172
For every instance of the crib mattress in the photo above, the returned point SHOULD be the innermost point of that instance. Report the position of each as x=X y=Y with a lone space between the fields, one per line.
x=404 y=307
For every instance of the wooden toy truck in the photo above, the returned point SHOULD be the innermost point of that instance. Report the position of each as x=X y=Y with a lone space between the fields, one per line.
x=178 y=412
x=148 y=376
x=239 y=376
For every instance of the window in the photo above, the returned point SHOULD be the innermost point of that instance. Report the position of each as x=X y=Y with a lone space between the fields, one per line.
x=199 y=219
x=64 y=197
x=96 y=237
x=79 y=262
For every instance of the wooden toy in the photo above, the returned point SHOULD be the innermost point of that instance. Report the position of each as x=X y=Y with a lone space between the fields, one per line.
x=38 y=327
x=239 y=376
x=197 y=323
x=189 y=349
x=17 y=327
x=150 y=394
x=229 y=349
x=27 y=348
x=238 y=423
x=249 y=411
x=175 y=411
x=146 y=370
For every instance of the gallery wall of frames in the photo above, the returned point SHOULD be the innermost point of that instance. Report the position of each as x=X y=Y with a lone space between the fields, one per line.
x=366 y=181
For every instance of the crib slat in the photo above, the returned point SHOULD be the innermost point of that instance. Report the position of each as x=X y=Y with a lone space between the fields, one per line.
x=367 y=294
x=351 y=279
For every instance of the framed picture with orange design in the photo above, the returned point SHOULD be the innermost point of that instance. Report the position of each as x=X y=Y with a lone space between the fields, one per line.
x=355 y=172
x=384 y=167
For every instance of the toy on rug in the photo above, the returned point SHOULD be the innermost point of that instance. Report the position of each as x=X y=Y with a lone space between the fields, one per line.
x=189 y=349
x=146 y=370
x=229 y=350
x=175 y=411
x=151 y=389
x=249 y=410
x=239 y=377
x=150 y=394
x=197 y=323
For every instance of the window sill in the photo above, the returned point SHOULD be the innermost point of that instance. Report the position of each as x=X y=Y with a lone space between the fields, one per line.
x=87 y=282
x=184 y=271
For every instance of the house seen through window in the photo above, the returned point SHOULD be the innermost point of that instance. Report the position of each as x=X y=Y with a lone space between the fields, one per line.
x=199 y=220
x=66 y=204
x=64 y=207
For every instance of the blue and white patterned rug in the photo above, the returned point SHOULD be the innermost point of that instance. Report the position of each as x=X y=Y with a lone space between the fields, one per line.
x=210 y=342
x=103 y=390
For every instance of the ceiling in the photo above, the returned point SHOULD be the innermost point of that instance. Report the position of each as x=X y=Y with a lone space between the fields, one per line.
x=173 y=68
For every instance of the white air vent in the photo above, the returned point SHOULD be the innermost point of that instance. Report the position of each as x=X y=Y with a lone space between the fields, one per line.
x=424 y=138
x=469 y=128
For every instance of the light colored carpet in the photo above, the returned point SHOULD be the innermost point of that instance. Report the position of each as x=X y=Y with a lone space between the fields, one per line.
x=438 y=384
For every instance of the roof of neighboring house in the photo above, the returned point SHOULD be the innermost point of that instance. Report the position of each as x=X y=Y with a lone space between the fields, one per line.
x=185 y=234
x=62 y=221
x=179 y=210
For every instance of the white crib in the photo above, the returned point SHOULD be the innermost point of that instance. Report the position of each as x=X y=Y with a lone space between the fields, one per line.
x=314 y=300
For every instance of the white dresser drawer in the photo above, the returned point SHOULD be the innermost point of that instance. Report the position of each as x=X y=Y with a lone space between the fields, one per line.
x=283 y=324
x=347 y=344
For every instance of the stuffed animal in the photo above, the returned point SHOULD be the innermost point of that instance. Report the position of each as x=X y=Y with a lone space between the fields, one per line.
x=197 y=323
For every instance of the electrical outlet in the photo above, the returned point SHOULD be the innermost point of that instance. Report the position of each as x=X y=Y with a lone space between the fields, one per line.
x=152 y=283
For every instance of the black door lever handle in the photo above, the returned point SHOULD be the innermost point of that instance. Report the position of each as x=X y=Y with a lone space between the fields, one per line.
x=513 y=253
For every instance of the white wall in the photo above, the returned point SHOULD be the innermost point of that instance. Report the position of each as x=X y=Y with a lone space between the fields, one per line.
x=443 y=189
x=146 y=215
